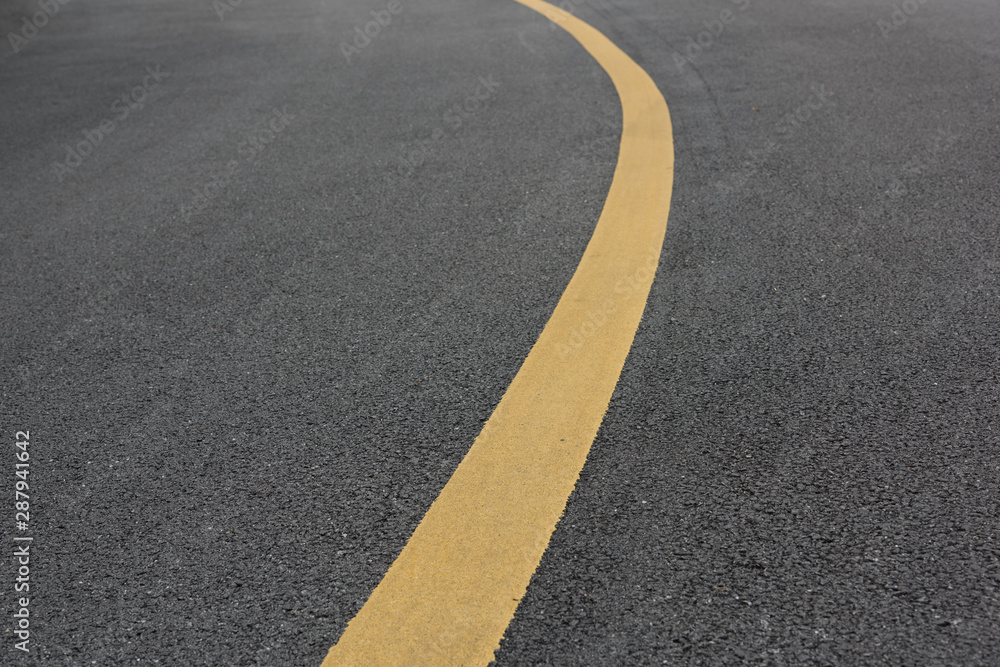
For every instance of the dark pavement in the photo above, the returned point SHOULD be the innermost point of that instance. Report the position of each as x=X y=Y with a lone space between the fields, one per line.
x=254 y=328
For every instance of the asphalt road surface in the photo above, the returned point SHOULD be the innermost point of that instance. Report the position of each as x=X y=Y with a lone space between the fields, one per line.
x=262 y=282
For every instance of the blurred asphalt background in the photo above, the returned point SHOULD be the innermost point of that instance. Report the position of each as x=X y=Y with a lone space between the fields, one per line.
x=250 y=357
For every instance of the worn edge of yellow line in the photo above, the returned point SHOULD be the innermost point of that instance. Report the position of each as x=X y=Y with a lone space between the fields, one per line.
x=450 y=595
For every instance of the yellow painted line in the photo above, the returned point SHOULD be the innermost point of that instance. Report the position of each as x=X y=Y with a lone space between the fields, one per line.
x=449 y=596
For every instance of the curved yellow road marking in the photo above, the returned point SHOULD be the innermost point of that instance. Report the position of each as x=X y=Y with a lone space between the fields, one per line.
x=449 y=596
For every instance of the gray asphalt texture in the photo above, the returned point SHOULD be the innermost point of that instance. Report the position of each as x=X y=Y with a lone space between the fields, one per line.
x=255 y=329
